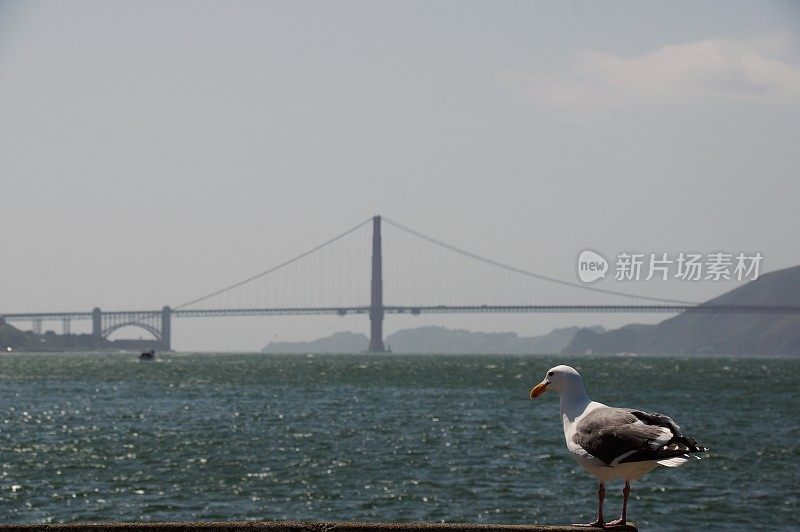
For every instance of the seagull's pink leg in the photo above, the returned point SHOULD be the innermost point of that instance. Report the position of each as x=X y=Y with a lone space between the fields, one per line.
x=601 y=495
x=624 y=519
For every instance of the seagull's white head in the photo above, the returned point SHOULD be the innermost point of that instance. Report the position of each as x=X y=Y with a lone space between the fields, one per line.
x=559 y=379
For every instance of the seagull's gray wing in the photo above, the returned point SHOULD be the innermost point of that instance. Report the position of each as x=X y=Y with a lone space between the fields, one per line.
x=619 y=435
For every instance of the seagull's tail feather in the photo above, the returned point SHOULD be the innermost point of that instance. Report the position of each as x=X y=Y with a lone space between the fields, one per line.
x=673 y=462
x=681 y=445
x=677 y=452
x=691 y=444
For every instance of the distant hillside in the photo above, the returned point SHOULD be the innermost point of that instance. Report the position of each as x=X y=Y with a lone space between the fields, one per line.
x=696 y=333
x=436 y=340
x=28 y=341
x=441 y=340
x=341 y=342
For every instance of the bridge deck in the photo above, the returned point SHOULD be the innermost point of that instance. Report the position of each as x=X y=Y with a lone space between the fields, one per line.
x=399 y=309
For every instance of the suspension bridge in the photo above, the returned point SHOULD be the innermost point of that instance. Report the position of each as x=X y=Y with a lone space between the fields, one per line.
x=345 y=275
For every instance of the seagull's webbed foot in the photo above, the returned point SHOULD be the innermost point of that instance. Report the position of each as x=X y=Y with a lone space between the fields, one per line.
x=596 y=524
x=599 y=522
x=622 y=521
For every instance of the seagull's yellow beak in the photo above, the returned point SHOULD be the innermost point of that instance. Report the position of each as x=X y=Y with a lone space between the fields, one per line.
x=539 y=389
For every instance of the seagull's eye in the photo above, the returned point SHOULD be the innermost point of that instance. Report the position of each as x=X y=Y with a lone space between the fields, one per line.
x=550 y=373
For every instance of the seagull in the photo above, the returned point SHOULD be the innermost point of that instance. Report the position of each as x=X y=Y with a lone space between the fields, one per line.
x=614 y=443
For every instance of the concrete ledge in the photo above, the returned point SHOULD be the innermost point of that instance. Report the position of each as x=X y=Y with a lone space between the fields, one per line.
x=305 y=526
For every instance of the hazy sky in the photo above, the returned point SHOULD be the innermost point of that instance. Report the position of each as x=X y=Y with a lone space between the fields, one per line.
x=153 y=151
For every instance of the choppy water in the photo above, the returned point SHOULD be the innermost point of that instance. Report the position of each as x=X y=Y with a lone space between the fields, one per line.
x=381 y=437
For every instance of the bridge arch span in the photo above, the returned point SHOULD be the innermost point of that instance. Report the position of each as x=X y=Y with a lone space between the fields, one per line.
x=149 y=328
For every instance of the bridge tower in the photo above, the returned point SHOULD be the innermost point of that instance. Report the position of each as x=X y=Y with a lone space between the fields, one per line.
x=166 y=329
x=97 y=322
x=376 y=304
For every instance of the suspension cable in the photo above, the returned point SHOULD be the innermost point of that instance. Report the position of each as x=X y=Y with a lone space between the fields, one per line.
x=274 y=268
x=526 y=272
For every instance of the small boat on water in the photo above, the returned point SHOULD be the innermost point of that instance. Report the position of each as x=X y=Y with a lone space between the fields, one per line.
x=147 y=354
